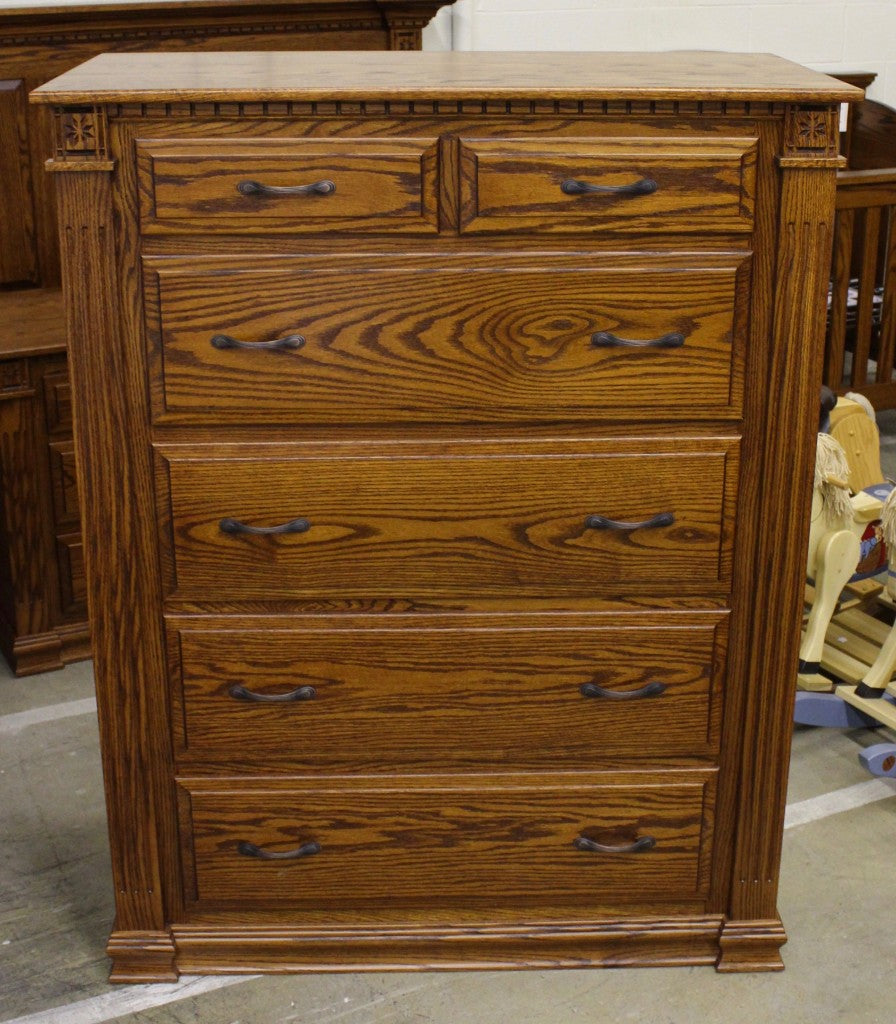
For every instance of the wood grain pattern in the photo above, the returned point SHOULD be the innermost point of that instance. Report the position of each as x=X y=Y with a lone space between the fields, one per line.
x=41 y=626
x=121 y=571
x=451 y=524
x=503 y=839
x=635 y=940
x=437 y=341
x=64 y=483
x=804 y=253
x=18 y=258
x=36 y=44
x=32 y=322
x=450 y=75
x=380 y=185
x=514 y=184
x=39 y=43
x=448 y=693
x=446 y=582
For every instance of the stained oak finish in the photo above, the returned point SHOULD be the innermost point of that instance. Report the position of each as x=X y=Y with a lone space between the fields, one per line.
x=530 y=79
x=688 y=184
x=37 y=44
x=445 y=617
x=18 y=260
x=44 y=613
x=860 y=351
x=461 y=839
x=362 y=185
x=447 y=341
x=468 y=523
x=449 y=693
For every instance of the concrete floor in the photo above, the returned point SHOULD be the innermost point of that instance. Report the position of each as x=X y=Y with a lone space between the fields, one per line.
x=838 y=894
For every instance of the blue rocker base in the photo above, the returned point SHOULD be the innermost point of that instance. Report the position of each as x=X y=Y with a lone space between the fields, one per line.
x=880 y=759
x=829 y=711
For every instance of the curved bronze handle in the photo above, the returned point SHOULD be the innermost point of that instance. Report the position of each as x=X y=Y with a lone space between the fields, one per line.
x=316 y=188
x=235 y=526
x=305 y=850
x=652 y=689
x=290 y=341
x=644 y=187
x=239 y=692
x=638 y=846
x=602 y=523
x=604 y=339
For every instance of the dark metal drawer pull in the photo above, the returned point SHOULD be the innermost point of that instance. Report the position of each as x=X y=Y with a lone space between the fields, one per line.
x=604 y=339
x=638 y=846
x=239 y=692
x=290 y=341
x=653 y=689
x=293 y=526
x=305 y=850
x=602 y=523
x=644 y=187
x=317 y=188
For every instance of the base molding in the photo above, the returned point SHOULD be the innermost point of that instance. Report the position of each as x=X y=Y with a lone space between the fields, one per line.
x=46 y=652
x=751 y=946
x=642 y=942
x=139 y=957
x=731 y=946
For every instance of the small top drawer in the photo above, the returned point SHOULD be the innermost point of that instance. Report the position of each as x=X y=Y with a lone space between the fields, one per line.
x=288 y=185
x=629 y=185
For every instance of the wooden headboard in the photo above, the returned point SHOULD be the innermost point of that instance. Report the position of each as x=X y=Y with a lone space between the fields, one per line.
x=38 y=43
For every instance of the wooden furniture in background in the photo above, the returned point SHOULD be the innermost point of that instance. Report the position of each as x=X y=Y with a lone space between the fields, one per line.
x=39 y=630
x=860 y=351
x=441 y=419
x=41 y=562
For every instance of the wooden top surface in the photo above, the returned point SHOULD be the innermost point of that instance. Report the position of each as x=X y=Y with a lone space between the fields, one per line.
x=248 y=76
x=32 y=322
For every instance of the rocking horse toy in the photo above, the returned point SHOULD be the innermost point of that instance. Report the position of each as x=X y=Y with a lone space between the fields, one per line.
x=847 y=654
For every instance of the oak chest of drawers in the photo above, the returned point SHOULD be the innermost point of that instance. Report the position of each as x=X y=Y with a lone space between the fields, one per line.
x=446 y=423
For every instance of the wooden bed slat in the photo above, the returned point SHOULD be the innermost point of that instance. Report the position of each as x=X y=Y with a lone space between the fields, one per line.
x=888 y=313
x=867 y=279
x=843 y=234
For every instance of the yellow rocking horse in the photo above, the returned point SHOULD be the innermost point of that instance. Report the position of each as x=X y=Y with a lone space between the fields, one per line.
x=847 y=654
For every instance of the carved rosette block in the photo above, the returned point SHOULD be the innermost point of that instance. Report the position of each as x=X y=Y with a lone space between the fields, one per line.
x=81 y=138
x=405 y=38
x=811 y=132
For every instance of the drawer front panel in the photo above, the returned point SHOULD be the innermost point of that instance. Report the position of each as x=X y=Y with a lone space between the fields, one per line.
x=72 y=580
x=465 y=525
x=548 y=185
x=367 y=343
x=58 y=403
x=64 y=477
x=407 y=694
x=472 y=839
x=338 y=185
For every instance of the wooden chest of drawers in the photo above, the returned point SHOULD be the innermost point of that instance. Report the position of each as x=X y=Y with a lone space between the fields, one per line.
x=43 y=608
x=447 y=424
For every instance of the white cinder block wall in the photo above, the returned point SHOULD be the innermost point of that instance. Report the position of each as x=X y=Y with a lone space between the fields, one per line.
x=828 y=35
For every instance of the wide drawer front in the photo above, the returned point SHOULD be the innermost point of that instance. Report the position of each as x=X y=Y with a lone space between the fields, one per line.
x=548 y=519
x=288 y=185
x=628 y=185
x=367 y=342
x=465 y=691
x=503 y=840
